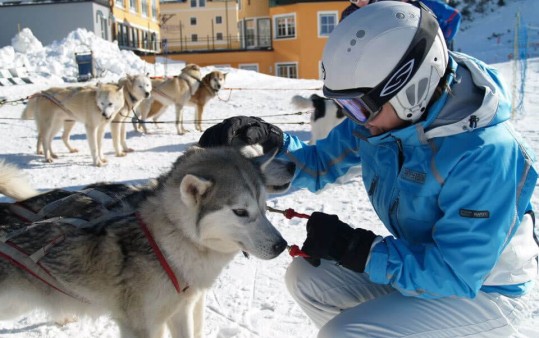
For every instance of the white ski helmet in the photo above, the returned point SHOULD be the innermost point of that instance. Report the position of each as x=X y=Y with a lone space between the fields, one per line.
x=389 y=51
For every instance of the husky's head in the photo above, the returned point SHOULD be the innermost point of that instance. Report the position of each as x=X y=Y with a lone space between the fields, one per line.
x=139 y=86
x=109 y=99
x=224 y=202
x=216 y=80
x=191 y=70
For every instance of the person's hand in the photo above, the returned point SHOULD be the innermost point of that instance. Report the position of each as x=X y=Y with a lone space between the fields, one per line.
x=243 y=130
x=329 y=238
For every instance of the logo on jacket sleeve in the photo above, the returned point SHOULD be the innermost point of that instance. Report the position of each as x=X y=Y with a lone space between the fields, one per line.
x=414 y=176
x=474 y=213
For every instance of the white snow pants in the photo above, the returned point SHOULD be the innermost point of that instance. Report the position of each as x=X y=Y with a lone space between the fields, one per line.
x=343 y=303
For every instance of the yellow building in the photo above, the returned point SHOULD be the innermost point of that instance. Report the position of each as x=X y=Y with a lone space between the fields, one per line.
x=276 y=37
x=136 y=25
x=199 y=25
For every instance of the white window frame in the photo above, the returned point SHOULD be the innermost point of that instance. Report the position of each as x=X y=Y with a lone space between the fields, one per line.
x=119 y=3
x=144 y=8
x=335 y=16
x=276 y=35
x=133 y=6
x=294 y=64
x=249 y=66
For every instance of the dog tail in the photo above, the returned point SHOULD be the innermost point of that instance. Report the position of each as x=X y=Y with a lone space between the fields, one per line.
x=28 y=112
x=301 y=102
x=13 y=183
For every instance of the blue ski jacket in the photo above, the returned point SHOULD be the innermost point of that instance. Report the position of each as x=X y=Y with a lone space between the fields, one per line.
x=449 y=18
x=453 y=189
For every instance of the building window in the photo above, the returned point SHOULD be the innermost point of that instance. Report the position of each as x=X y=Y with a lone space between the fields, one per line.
x=193 y=21
x=249 y=33
x=289 y=70
x=326 y=23
x=198 y=3
x=194 y=37
x=144 y=7
x=285 y=26
x=119 y=3
x=154 y=9
x=218 y=19
x=133 y=5
x=219 y=37
x=264 y=32
x=249 y=66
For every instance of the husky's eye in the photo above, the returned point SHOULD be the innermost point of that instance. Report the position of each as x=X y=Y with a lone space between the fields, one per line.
x=110 y=104
x=240 y=212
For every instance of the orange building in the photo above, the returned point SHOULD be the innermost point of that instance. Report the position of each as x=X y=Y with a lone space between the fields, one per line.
x=278 y=37
x=136 y=25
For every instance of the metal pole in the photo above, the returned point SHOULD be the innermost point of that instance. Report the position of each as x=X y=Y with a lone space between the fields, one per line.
x=227 y=33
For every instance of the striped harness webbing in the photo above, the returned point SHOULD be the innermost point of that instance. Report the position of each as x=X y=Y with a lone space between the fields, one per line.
x=30 y=262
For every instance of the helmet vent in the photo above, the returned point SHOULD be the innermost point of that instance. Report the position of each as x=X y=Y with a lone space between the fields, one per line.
x=415 y=93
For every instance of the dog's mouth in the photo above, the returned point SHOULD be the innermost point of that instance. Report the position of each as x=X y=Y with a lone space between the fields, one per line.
x=246 y=254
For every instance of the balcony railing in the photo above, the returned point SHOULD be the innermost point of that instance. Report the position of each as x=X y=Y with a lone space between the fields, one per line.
x=203 y=44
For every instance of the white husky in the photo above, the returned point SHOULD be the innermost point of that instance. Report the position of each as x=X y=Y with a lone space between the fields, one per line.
x=95 y=106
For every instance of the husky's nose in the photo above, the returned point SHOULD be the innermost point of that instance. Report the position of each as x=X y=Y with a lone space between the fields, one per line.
x=280 y=246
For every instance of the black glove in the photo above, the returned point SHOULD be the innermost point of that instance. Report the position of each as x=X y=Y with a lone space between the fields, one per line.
x=329 y=238
x=243 y=130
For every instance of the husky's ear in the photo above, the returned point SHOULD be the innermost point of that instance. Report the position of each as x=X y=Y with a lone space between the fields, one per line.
x=193 y=188
x=224 y=75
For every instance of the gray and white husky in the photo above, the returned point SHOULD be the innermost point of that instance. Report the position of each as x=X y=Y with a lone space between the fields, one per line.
x=143 y=255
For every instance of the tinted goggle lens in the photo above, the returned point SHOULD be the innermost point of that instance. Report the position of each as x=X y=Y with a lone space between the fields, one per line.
x=356 y=109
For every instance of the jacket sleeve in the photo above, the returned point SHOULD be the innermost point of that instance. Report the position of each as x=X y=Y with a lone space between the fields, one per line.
x=324 y=163
x=449 y=18
x=481 y=201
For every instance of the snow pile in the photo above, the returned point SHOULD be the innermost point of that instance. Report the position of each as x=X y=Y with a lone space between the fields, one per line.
x=57 y=63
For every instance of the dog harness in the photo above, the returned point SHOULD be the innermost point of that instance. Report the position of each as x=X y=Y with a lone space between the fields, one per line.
x=30 y=262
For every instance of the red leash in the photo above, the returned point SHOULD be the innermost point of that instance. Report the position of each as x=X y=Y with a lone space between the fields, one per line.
x=289 y=213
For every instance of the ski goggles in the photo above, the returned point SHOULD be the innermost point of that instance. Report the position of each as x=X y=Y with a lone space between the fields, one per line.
x=356 y=109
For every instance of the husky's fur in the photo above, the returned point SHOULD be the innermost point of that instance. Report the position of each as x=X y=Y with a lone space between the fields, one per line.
x=199 y=217
x=18 y=187
x=175 y=91
x=208 y=89
x=325 y=115
x=94 y=106
x=136 y=88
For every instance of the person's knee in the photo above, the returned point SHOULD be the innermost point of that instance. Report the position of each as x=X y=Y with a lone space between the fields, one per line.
x=298 y=276
x=292 y=276
x=331 y=329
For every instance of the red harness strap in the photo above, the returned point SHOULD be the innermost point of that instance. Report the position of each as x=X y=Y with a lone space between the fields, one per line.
x=289 y=213
x=160 y=255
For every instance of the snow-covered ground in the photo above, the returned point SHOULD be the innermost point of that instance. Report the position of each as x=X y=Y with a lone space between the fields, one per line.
x=249 y=299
